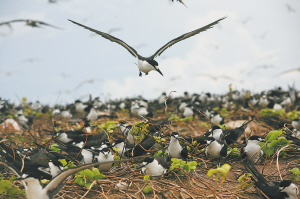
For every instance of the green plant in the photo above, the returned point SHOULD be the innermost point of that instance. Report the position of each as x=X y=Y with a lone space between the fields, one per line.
x=176 y=118
x=87 y=177
x=223 y=126
x=205 y=124
x=222 y=174
x=296 y=174
x=159 y=139
x=147 y=188
x=8 y=190
x=187 y=166
x=233 y=151
x=245 y=181
x=158 y=153
x=271 y=113
x=293 y=115
x=53 y=147
x=139 y=131
x=67 y=165
x=109 y=126
x=275 y=142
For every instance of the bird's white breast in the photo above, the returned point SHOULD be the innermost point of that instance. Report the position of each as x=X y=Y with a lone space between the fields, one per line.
x=144 y=66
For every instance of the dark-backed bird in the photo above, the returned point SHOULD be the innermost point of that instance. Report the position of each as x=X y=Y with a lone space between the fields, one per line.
x=252 y=150
x=175 y=150
x=215 y=148
x=214 y=131
x=273 y=190
x=154 y=166
x=35 y=190
x=146 y=64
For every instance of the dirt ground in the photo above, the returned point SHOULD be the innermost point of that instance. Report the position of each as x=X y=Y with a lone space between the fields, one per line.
x=176 y=184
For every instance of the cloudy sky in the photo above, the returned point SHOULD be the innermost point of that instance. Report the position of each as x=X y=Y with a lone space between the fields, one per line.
x=253 y=48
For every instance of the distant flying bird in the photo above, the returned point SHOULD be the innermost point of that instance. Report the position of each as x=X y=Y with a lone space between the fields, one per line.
x=290 y=71
x=8 y=73
x=245 y=21
x=30 y=60
x=146 y=64
x=29 y=22
x=180 y=2
x=215 y=78
x=89 y=81
x=290 y=9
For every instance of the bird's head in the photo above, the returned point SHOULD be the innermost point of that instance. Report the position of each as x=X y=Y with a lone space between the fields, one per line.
x=155 y=65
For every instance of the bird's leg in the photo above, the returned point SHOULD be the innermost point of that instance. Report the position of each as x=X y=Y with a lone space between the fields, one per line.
x=140 y=74
x=146 y=73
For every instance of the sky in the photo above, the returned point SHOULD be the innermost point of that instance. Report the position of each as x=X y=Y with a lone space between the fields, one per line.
x=253 y=48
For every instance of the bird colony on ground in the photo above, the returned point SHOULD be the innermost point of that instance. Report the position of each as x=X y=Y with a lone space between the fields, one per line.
x=163 y=148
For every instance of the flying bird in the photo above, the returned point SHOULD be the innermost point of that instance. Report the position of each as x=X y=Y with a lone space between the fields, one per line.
x=216 y=77
x=146 y=64
x=89 y=81
x=180 y=2
x=29 y=22
x=290 y=71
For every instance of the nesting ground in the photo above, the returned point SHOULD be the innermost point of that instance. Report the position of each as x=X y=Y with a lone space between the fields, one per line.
x=176 y=184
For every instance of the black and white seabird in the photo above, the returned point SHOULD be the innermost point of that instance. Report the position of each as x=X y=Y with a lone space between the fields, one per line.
x=215 y=149
x=146 y=64
x=105 y=156
x=175 y=150
x=252 y=149
x=283 y=190
x=154 y=166
x=34 y=189
x=214 y=131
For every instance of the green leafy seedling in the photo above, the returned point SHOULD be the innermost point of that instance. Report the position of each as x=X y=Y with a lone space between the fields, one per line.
x=222 y=173
x=296 y=174
x=187 y=166
x=87 y=177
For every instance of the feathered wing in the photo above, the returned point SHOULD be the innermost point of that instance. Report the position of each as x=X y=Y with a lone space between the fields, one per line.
x=12 y=21
x=57 y=183
x=46 y=24
x=111 y=38
x=183 y=37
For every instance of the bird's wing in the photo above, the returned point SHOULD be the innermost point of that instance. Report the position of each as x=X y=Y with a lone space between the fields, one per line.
x=290 y=70
x=46 y=24
x=8 y=22
x=111 y=38
x=184 y=36
x=57 y=183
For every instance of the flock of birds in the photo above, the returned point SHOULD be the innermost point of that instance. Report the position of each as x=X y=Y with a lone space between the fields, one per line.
x=86 y=149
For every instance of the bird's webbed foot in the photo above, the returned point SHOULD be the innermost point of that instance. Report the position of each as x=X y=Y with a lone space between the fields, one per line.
x=140 y=74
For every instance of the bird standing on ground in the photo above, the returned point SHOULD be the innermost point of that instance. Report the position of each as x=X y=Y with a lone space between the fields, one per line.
x=215 y=148
x=252 y=149
x=154 y=166
x=175 y=150
x=274 y=190
x=146 y=64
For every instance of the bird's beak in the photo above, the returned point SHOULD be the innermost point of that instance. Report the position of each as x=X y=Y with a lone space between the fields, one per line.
x=157 y=69
x=20 y=178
